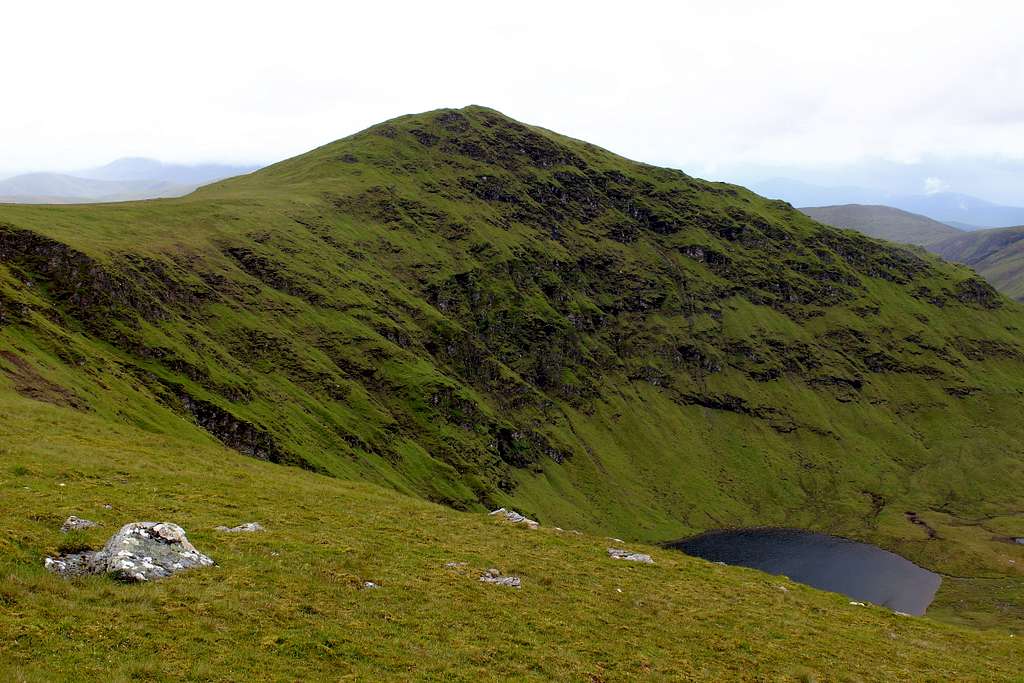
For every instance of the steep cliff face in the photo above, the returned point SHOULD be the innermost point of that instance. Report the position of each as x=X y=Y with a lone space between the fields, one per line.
x=481 y=312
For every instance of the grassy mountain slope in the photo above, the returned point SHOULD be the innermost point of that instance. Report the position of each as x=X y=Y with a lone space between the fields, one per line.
x=884 y=222
x=287 y=604
x=998 y=255
x=479 y=312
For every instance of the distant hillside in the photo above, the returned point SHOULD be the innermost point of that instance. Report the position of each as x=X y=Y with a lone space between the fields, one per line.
x=998 y=255
x=961 y=208
x=963 y=227
x=57 y=188
x=946 y=207
x=799 y=193
x=884 y=222
x=136 y=169
x=121 y=180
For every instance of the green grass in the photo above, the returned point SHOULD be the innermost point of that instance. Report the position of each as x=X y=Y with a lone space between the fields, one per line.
x=478 y=313
x=287 y=605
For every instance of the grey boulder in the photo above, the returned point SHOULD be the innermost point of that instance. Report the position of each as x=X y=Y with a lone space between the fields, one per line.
x=629 y=555
x=140 y=551
x=247 y=528
x=515 y=518
x=73 y=523
x=74 y=564
x=494 y=576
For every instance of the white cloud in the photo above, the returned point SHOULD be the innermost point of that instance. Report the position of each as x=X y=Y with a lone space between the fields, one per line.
x=683 y=83
x=934 y=185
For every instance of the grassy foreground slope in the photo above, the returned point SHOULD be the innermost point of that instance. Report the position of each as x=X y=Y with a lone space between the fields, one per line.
x=884 y=222
x=287 y=604
x=482 y=313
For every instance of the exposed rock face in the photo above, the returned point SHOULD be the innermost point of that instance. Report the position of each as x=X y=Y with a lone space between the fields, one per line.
x=515 y=518
x=494 y=576
x=247 y=528
x=619 y=554
x=75 y=564
x=73 y=523
x=140 y=551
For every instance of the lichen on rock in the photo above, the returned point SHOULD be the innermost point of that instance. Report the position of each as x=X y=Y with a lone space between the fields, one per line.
x=140 y=551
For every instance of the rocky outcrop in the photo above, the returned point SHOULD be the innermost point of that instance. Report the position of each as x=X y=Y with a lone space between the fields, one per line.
x=140 y=551
x=73 y=523
x=75 y=564
x=92 y=291
x=246 y=528
x=619 y=554
x=515 y=518
x=235 y=433
x=28 y=382
x=494 y=576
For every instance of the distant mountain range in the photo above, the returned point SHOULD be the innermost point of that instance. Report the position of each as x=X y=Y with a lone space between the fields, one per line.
x=959 y=210
x=996 y=254
x=884 y=222
x=121 y=180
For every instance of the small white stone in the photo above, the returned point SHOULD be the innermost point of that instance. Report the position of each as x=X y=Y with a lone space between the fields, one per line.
x=629 y=555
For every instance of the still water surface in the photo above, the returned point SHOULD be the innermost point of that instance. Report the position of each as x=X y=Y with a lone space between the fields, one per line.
x=859 y=570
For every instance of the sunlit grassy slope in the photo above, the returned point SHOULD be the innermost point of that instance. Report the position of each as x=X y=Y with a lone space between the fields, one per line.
x=475 y=312
x=287 y=604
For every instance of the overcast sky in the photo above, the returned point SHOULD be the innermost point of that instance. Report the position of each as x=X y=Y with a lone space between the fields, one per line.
x=709 y=87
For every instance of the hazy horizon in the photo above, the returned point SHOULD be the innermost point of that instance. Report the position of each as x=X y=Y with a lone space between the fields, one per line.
x=737 y=91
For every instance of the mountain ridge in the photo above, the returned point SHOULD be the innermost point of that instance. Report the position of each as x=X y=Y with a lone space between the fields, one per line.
x=965 y=211
x=884 y=222
x=125 y=179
